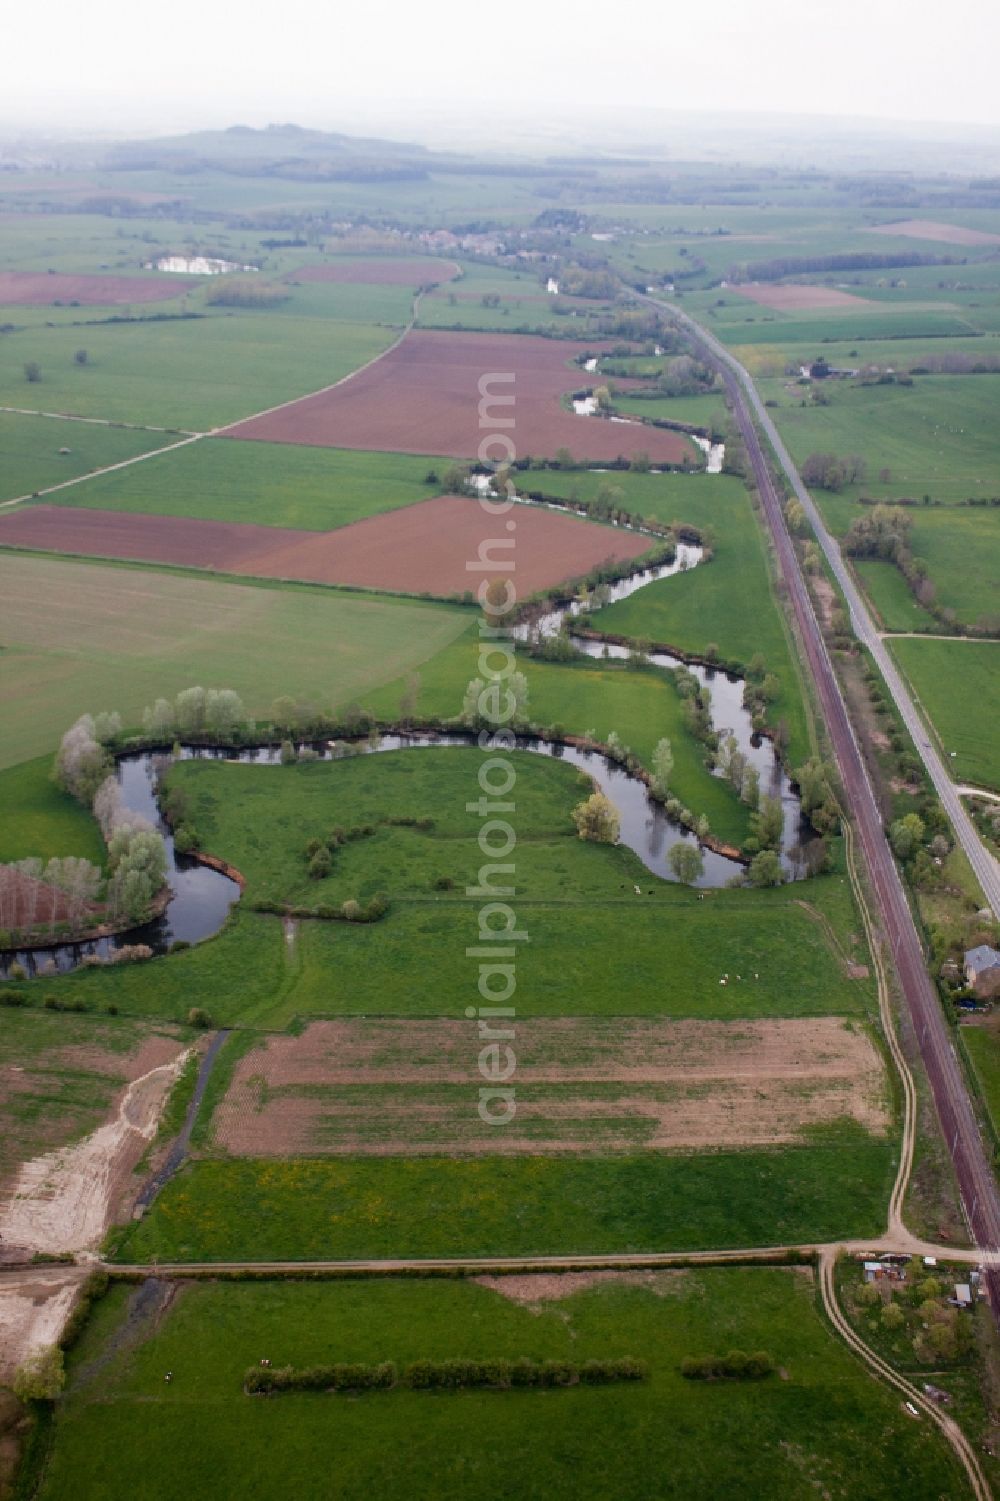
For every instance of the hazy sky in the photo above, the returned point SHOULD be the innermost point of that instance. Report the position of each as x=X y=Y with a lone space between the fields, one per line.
x=123 y=64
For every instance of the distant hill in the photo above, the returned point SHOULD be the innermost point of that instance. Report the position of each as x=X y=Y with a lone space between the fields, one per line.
x=275 y=151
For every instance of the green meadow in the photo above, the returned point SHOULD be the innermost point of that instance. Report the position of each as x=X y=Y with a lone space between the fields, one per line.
x=937 y=437
x=121 y=1435
x=33 y=459
x=266 y=484
x=82 y=637
x=306 y=1208
x=957 y=684
x=195 y=373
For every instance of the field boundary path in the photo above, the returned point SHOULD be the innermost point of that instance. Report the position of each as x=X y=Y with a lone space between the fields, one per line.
x=80 y=479
x=190 y=437
x=351 y=374
x=960 y=1129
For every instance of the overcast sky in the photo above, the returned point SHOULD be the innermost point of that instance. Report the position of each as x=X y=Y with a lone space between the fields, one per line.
x=122 y=65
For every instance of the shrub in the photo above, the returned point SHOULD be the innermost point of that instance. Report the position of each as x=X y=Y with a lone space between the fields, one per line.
x=321 y=864
x=736 y=1365
x=196 y=1017
x=93 y=1289
x=12 y=996
x=42 y=1376
x=351 y=910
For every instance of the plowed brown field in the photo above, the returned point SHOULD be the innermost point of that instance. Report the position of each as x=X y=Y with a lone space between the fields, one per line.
x=421 y=548
x=930 y=229
x=425 y=396
x=408 y=271
x=380 y=1088
x=795 y=299
x=40 y=288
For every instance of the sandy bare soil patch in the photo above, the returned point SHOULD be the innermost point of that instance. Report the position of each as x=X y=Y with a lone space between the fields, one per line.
x=794 y=299
x=532 y=1289
x=41 y=288
x=931 y=229
x=424 y=396
x=64 y=1091
x=379 y=1088
x=383 y=271
x=423 y=547
x=34 y=1306
x=65 y=1199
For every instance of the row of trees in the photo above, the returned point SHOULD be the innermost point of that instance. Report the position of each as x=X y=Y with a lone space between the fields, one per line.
x=198 y=713
x=137 y=860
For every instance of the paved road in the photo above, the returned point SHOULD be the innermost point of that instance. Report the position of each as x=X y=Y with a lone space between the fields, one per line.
x=980 y=1196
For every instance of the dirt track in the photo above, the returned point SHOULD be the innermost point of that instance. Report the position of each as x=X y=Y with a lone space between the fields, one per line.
x=423 y=397
x=41 y=289
x=417 y=549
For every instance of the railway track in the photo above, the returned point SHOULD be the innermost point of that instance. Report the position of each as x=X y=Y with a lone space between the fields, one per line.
x=960 y=1129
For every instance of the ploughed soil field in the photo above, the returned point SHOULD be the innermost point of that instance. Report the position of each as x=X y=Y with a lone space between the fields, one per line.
x=422 y=548
x=40 y=288
x=424 y=396
x=794 y=299
x=406 y=271
x=379 y=1088
x=931 y=229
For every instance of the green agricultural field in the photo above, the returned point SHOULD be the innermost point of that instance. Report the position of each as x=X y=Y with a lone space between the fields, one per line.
x=700 y=411
x=727 y=1439
x=81 y=637
x=894 y=601
x=268 y=484
x=641 y=706
x=961 y=547
x=937 y=437
x=293 y=804
x=883 y=322
x=596 y=948
x=728 y=602
x=957 y=683
x=38 y=818
x=769 y=360
x=307 y=1208
x=194 y=373
x=31 y=446
x=982 y=1046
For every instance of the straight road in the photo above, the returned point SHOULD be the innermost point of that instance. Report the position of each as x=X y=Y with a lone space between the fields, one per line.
x=980 y=1197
